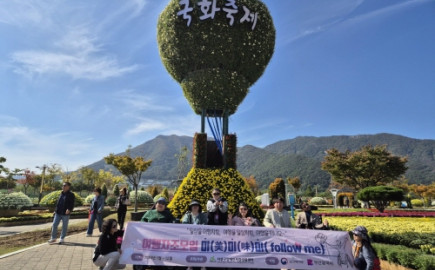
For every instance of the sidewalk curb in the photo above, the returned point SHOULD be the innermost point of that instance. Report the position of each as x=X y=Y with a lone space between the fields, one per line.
x=32 y=247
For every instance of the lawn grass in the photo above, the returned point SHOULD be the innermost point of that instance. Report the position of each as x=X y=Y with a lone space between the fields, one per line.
x=24 y=240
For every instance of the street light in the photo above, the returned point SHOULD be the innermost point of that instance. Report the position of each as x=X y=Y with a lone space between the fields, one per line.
x=334 y=195
x=42 y=181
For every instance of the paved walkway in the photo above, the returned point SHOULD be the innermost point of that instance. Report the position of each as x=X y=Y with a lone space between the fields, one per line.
x=11 y=230
x=75 y=253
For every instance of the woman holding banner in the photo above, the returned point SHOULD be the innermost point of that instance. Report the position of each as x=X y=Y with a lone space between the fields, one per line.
x=159 y=213
x=277 y=217
x=195 y=215
x=243 y=217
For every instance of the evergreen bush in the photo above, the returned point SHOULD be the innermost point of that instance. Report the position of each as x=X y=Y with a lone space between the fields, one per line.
x=111 y=200
x=89 y=199
x=317 y=201
x=15 y=200
x=142 y=197
x=116 y=191
x=417 y=202
x=51 y=199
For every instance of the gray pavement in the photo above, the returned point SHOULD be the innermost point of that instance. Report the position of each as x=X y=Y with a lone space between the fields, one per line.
x=75 y=253
x=5 y=231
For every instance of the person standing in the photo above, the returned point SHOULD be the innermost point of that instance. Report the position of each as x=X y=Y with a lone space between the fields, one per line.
x=217 y=208
x=96 y=212
x=277 y=217
x=308 y=220
x=108 y=248
x=243 y=217
x=122 y=207
x=64 y=207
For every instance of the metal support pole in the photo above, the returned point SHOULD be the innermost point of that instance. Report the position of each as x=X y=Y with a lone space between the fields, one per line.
x=203 y=121
x=42 y=183
x=225 y=123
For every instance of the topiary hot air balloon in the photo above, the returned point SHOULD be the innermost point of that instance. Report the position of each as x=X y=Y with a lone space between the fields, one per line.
x=216 y=50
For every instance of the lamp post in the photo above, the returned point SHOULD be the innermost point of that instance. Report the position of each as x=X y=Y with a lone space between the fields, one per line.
x=334 y=195
x=44 y=167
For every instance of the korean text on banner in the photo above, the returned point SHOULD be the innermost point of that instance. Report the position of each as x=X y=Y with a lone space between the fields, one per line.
x=234 y=246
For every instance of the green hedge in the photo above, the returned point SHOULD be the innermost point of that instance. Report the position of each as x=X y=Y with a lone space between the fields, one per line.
x=404 y=256
x=409 y=239
x=51 y=199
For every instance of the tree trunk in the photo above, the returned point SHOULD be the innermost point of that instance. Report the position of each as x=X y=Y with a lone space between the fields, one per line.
x=135 y=198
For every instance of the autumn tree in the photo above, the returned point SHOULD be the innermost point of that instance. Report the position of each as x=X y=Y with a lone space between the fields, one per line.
x=89 y=177
x=252 y=183
x=277 y=189
x=27 y=180
x=426 y=193
x=107 y=178
x=131 y=168
x=369 y=166
x=295 y=182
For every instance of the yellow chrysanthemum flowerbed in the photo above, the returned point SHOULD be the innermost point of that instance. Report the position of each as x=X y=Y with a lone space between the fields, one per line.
x=199 y=183
x=384 y=225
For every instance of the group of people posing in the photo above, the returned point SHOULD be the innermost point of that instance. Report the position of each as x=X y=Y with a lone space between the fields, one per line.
x=109 y=250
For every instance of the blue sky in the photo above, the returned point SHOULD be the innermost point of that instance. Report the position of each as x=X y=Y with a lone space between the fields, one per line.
x=82 y=79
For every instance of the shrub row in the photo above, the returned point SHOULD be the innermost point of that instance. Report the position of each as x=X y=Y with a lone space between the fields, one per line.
x=409 y=239
x=385 y=214
x=404 y=256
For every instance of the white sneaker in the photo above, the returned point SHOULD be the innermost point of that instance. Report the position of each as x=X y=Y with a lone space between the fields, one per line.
x=89 y=235
x=61 y=241
x=51 y=241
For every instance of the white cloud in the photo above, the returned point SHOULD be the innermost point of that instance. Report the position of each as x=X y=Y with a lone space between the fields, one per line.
x=167 y=125
x=22 y=13
x=25 y=147
x=78 y=66
x=135 y=102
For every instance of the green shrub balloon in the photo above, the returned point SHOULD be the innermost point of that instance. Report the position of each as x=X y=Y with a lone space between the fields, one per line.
x=216 y=59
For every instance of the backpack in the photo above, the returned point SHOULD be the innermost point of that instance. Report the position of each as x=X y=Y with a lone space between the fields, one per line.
x=377 y=264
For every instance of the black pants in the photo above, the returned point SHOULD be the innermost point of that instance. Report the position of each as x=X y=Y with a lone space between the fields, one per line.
x=121 y=217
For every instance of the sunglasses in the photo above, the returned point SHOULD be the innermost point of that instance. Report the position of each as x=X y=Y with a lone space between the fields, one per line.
x=216 y=194
x=244 y=209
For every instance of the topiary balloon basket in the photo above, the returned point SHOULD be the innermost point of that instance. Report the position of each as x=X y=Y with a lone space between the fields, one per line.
x=199 y=183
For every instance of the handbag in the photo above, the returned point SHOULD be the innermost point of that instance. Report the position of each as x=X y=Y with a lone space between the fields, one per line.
x=127 y=201
x=97 y=253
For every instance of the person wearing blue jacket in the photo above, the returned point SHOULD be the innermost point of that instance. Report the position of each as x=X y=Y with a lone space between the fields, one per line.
x=96 y=212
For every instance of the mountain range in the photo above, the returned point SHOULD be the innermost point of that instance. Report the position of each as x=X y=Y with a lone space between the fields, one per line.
x=300 y=157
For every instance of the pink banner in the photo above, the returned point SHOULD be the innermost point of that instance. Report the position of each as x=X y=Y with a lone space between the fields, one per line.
x=234 y=246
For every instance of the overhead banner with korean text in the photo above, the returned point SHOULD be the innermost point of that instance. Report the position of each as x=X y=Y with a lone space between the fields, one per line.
x=234 y=246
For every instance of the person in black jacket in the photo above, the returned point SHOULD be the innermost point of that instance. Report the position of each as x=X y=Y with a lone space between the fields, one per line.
x=64 y=207
x=122 y=207
x=108 y=247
